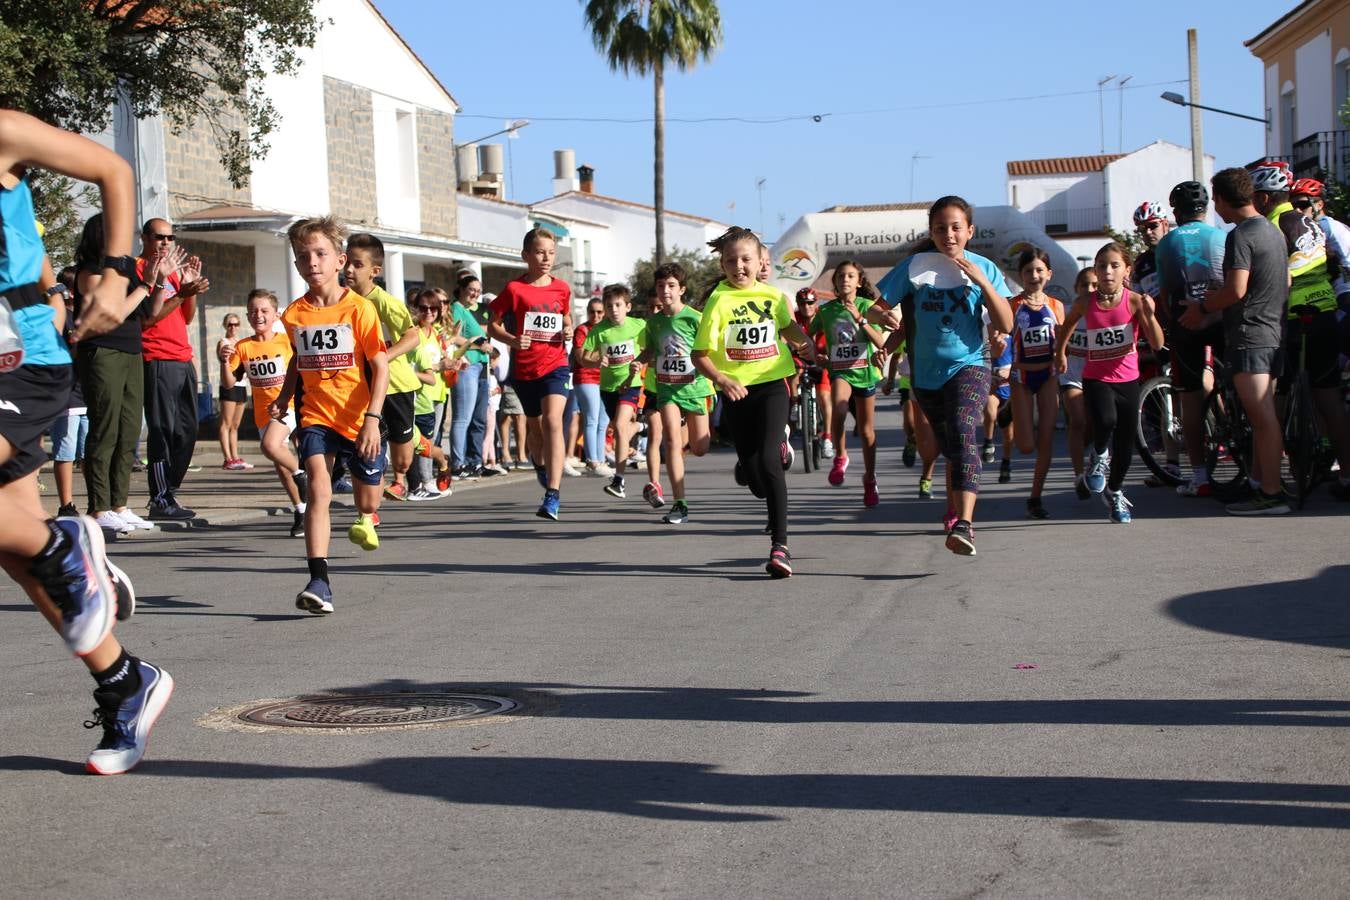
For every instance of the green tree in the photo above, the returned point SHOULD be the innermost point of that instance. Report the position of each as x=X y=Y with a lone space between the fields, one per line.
x=701 y=274
x=646 y=36
x=55 y=200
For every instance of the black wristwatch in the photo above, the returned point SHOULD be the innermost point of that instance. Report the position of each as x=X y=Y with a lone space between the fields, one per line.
x=124 y=266
x=57 y=289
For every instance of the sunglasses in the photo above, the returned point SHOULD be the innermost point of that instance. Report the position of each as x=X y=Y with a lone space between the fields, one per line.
x=160 y=237
x=421 y=308
x=231 y=324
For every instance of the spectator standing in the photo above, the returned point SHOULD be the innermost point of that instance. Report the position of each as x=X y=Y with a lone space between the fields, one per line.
x=232 y=402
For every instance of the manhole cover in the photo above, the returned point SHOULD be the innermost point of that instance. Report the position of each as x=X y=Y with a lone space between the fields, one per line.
x=364 y=712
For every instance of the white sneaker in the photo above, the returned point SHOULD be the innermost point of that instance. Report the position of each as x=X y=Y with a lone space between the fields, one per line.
x=422 y=494
x=598 y=470
x=111 y=521
x=570 y=470
x=827 y=449
x=135 y=521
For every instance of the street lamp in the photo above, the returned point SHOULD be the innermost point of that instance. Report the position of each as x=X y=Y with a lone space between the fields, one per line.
x=1173 y=97
x=511 y=129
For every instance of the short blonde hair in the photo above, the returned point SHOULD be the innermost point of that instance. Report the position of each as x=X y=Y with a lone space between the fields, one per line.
x=262 y=294
x=328 y=226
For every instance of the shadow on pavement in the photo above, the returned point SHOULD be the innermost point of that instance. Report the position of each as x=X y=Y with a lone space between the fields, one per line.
x=1308 y=611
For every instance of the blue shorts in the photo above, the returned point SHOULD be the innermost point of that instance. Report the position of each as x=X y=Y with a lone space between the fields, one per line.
x=864 y=391
x=533 y=392
x=612 y=399
x=1033 y=381
x=317 y=440
x=68 y=433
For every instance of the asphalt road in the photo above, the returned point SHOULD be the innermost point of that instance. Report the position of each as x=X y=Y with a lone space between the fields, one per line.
x=691 y=728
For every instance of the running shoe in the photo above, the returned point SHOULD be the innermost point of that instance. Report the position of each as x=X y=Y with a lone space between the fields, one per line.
x=780 y=562
x=1005 y=471
x=1259 y=504
x=949 y=519
x=396 y=490
x=127 y=722
x=444 y=480
x=169 y=510
x=925 y=489
x=987 y=452
x=826 y=448
x=301 y=480
x=652 y=494
x=297 y=524
x=77 y=582
x=1118 y=505
x=541 y=476
x=67 y=511
x=1195 y=488
x=343 y=485
x=837 y=470
x=362 y=533
x=1080 y=487
x=910 y=454
x=1036 y=509
x=871 y=497
x=678 y=515
x=1097 y=468
x=135 y=521
x=785 y=451
x=317 y=597
x=571 y=470
x=961 y=538
x=615 y=487
x=125 y=591
x=111 y=522
x=420 y=494
x=548 y=509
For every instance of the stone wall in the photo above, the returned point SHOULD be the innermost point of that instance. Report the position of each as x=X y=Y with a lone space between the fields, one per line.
x=436 y=172
x=230 y=267
x=196 y=178
x=442 y=277
x=351 y=151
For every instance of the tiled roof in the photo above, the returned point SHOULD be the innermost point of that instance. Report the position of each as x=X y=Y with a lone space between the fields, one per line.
x=877 y=207
x=1062 y=165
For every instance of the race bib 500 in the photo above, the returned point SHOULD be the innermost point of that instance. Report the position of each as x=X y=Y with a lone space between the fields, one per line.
x=266 y=372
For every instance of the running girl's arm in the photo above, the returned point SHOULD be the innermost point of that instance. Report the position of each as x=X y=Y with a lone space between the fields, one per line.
x=277 y=409
x=1000 y=312
x=801 y=343
x=881 y=313
x=1153 y=332
x=1065 y=333
x=729 y=386
x=368 y=441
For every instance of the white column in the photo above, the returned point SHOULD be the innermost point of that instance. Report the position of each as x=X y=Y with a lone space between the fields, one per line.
x=295 y=285
x=393 y=272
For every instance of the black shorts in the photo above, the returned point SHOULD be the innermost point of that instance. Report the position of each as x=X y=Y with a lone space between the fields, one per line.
x=398 y=416
x=1323 y=351
x=235 y=394
x=31 y=399
x=1188 y=354
x=612 y=400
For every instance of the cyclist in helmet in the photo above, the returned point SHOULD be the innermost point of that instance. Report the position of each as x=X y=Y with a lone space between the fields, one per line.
x=805 y=311
x=1190 y=262
x=1307 y=194
x=1310 y=268
x=1150 y=221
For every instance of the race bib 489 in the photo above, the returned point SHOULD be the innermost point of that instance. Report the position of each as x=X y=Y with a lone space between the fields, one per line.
x=543 y=326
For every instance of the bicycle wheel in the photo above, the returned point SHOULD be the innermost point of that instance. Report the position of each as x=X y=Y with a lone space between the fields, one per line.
x=1227 y=445
x=1299 y=468
x=806 y=415
x=1159 y=433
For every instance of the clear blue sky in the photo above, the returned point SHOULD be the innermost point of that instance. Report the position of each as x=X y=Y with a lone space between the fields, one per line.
x=866 y=66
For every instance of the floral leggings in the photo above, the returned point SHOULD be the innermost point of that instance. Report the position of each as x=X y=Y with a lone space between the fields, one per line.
x=956 y=412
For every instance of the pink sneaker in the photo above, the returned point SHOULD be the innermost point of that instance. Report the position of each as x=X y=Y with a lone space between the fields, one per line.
x=870 y=496
x=949 y=519
x=838 y=469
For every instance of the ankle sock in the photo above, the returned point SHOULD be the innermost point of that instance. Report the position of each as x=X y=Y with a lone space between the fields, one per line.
x=122 y=678
x=318 y=568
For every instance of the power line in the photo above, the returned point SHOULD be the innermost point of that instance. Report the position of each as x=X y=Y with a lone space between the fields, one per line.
x=815 y=117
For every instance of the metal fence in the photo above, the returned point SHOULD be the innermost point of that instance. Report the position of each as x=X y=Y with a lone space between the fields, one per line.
x=1324 y=155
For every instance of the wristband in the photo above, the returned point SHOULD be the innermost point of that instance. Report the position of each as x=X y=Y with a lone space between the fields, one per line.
x=376 y=416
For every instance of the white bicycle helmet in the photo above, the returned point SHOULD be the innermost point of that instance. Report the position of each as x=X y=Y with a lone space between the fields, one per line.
x=1149 y=211
x=1271 y=178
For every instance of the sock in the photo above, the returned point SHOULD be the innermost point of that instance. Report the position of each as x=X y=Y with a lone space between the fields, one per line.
x=122 y=678
x=318 y=568
x=57 y=544
x=301 y=507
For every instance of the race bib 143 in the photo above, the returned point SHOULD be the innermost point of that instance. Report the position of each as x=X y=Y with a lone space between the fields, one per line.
x=325 y=348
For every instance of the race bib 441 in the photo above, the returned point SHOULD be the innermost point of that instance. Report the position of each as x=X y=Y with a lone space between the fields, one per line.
x=325 y=348
x=745 y=343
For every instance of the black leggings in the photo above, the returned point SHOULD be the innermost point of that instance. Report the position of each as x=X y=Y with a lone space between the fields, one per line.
x=1113 y=408
x=757 y=424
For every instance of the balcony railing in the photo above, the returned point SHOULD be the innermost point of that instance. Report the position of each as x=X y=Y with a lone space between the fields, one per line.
x=1324 y=155
x=1069 y=221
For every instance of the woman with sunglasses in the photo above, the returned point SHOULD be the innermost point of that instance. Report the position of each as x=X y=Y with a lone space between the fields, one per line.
x=594 y=420
x=430 y=359
x=232 y=402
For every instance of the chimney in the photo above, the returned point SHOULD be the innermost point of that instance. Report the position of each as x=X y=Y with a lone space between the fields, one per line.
x=564 y=161
x=466 y=161
x=587 y=179
x=490 y=182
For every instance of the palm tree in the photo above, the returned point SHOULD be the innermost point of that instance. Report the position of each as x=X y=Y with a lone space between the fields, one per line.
x=646 y=35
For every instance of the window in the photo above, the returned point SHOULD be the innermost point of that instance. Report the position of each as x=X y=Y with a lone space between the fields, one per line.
x=1288 y=120
x=407 y=152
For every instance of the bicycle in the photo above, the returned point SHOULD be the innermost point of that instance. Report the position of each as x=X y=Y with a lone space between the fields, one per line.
x=1228 y=439
x=1307 y=456
x=808 y=416
x=1160 y=430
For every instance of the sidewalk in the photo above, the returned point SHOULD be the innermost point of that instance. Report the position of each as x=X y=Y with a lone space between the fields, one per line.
x=221 y=497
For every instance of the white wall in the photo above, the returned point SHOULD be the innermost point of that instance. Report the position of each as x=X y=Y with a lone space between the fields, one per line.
x=1147 y=174
x=490 y=222
x=1075 y=200
x=1312 y=74
x=357 y=47
x=294 y=175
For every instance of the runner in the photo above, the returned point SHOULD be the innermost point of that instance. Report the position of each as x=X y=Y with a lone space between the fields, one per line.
x=1035 y=390
x=943 y=295
x=586 y=383
x=265 y=356
x=741 y=348
x=850 y=343
x=650 y=413
x=680 y=391
x=1114 y=315
x=805 y=310
x=919 y=438
x=998 y=414
x=532 y=315
x=1071 y=384
x=614 y=345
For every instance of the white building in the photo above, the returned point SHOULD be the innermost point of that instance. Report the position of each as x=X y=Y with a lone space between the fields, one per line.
x=1076 y=198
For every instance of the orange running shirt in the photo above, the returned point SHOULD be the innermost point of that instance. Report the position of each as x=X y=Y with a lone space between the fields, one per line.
x=332 y=344
x=264 y=362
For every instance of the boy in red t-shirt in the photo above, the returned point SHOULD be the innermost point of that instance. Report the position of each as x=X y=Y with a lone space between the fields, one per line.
x=533 y=315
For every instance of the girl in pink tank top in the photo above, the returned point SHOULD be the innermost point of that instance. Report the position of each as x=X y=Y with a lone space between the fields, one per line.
x=1114 y=318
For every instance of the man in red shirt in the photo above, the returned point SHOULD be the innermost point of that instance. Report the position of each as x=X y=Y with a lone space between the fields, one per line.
x=170 y=379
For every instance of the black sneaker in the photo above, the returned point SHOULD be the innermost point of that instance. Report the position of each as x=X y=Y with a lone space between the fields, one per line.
x=297 y=524
x=780 y=562
x=170 y=511
x=1005 y=471
x=615 y=487
x=125 y=591
x=1036 y=509
x=67 y=511
x=301 y=480
x=961 y=539
x=127 y=722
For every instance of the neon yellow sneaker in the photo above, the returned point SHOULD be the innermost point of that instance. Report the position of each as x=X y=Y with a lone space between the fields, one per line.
x=362 y=533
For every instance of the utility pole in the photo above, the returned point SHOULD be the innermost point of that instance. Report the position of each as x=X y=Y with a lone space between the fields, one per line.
x=1101 y=105
x=1197 y=140
x=759 y=187
x=1120 y=85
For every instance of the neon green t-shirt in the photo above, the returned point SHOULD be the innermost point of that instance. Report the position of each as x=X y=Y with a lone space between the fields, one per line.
x=394 y=321
x=672 y=375
x=427 y=358
x=740 y=331
x=849 y=351
x=618 y=345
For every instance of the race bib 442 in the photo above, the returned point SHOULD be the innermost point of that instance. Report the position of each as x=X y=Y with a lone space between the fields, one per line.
x=619 y=354
x=325 y=348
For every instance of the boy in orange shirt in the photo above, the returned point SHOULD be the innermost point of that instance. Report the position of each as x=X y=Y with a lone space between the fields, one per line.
x=336 y=337
x=265 y=356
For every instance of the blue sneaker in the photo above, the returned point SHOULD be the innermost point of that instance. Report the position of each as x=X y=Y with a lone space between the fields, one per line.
x=1119 y=506
x=342 y=486
x=127 y=723
x=541 y=475
x=548 y=509
x=317 y=597
x=1097 y=468
x=78 y=584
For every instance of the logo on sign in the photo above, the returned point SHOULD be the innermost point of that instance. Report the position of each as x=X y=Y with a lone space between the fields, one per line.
x=795 y=265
